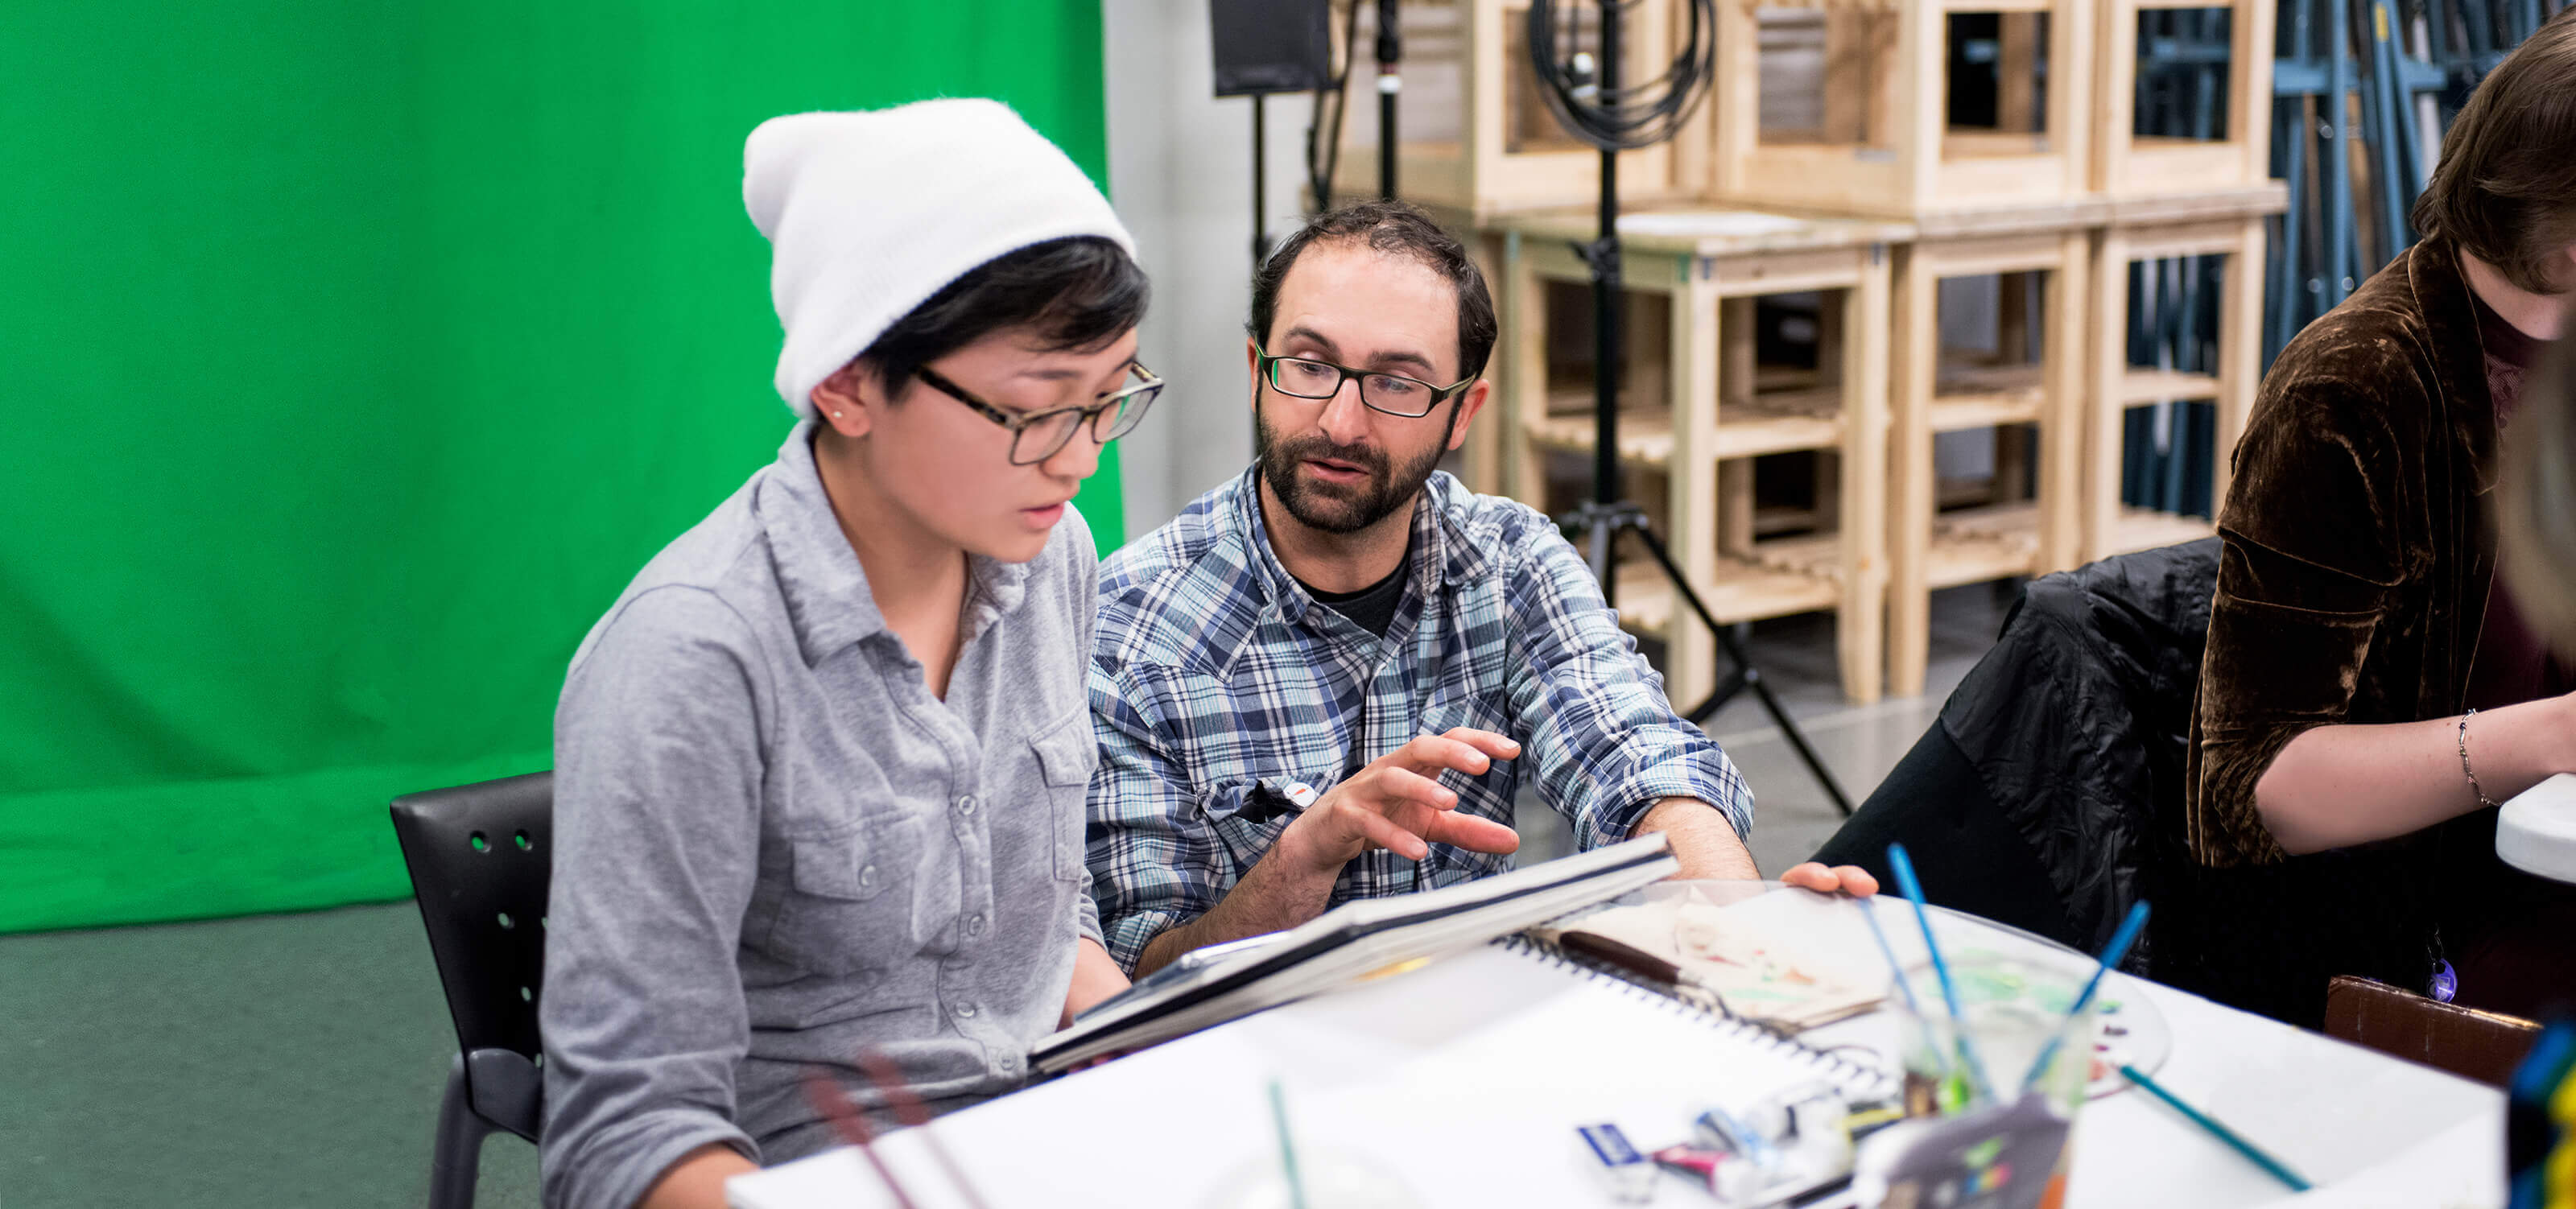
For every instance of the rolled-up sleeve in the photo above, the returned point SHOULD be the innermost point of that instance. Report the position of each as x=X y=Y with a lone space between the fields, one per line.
x=2310 y=561
x=657 y=833
x=1154 y=857
x=1603 y=738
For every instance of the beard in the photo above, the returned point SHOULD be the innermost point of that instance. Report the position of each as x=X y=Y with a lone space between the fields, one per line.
x=1334 y=507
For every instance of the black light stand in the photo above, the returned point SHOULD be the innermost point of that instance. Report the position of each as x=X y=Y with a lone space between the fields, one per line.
x=1608 y=119
x=1261 y=47
x=1390 y=52
x=1260 y=182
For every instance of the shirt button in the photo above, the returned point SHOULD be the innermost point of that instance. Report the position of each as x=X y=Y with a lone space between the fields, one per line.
x=867 y=877
x=974 y=925
x=965 y=1011
x=966 y=804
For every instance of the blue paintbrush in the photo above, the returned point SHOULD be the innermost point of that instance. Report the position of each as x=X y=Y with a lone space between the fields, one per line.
x=2218 y=1131
x=1913 y=890
x=2111 y=955
x=1287 y=1147
x=1903 y=987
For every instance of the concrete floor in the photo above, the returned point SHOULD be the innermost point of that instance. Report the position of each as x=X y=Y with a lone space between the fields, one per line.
x=297 y=1059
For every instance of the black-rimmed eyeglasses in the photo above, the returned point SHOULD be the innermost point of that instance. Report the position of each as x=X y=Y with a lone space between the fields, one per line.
x=1394 y=394
x=1037 y=436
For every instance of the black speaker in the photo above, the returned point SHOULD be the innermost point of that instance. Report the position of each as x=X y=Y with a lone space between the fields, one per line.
x=1265 y=46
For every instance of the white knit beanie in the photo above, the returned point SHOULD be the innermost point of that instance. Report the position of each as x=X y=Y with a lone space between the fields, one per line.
x=869 y=214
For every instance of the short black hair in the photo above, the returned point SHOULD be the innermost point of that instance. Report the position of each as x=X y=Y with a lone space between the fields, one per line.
x=1075 y=293
x=1396 y=228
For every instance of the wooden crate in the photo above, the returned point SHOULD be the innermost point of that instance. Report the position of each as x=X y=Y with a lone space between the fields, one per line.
x=1474 y=134
x=1698 y=411
x=1883 y=144
x=2126 y=165
x=2203 y=226
x=1934 y=392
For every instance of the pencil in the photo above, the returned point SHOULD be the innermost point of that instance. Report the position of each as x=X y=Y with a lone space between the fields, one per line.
x=2216 y=1130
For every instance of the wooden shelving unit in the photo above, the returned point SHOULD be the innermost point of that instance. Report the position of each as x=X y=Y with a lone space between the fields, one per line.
x=1932 y=394
x=2126 y=164
x=1743 y=589
x=2105 y=526
x=1474 y=135
x=1987 y=542
x=2137 y=529
x=1781 y=422
x=1700 y=412
x=1879 y=139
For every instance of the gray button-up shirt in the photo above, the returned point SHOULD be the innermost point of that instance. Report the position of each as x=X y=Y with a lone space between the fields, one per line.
x=775 y=847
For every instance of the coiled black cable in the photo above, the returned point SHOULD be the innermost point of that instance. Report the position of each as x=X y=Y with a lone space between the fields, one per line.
x=1623 y=116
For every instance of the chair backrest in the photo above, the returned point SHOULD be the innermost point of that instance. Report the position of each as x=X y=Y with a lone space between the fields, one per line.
x=480 y=857
x=2077 y=722
x=2484 y=1046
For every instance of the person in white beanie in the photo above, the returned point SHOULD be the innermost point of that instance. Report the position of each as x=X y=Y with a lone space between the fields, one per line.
x=819 y=772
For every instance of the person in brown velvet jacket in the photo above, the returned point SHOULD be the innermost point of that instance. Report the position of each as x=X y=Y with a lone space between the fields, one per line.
x=2371 y=687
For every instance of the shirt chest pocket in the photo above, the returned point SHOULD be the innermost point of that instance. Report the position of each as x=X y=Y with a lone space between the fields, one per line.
x=1453 y=708
x=849 y=906
x=1066 y=756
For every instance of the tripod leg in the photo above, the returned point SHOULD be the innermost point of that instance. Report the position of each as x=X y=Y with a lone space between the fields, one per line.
x=1746 y=675
x=1797 y=739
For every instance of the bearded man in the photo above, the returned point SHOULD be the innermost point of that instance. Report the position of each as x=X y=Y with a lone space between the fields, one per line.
x=1285 y=674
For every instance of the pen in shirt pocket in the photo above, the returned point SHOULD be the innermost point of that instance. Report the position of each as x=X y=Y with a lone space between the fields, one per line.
x=1271 y=797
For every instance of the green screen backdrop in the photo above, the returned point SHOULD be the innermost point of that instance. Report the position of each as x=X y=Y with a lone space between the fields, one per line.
x=357 y=353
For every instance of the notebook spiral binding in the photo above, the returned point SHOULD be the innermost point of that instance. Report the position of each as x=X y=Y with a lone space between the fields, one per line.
x=1856 y=1079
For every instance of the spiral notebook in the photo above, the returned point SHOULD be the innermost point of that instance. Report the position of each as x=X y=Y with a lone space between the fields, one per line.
x=1857 y=1079
x=1349 y=942
x=1547 y=1040
x=1488 y=1057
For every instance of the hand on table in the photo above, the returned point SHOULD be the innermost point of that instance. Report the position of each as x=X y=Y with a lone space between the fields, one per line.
x=1847 y=879
x=1398 y=803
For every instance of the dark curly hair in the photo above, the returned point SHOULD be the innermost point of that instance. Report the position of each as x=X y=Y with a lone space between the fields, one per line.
x=1397 y=228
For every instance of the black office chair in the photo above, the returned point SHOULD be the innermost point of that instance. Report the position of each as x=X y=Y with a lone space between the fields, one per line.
x=479 y=857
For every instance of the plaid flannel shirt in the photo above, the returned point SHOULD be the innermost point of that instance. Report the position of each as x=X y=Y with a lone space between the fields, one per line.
x=1214 y=670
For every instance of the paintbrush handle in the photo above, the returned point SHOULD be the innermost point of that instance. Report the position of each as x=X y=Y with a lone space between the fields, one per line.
x=1625 y=956
x=1642 y=964
x=2222 y=1133
x=2121 y=939
x=1912 y=888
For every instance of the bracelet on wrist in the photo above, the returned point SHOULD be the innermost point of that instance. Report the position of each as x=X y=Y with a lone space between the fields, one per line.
x=2474 y=788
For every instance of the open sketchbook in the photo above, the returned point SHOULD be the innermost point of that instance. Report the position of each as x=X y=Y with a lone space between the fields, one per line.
x=1730 y=958
x=1487 y=1057
x=1349 y=942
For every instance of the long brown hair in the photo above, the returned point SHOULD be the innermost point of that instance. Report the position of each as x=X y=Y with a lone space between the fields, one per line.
x=2505 y=189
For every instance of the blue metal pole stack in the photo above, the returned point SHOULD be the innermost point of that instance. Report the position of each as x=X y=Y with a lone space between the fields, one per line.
x=2350 y=138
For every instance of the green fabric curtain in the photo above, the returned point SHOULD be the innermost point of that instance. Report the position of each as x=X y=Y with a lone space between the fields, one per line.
x=357 y=352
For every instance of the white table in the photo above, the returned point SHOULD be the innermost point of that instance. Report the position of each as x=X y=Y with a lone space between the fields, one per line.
x=1175 y=1124
x=2536 y=831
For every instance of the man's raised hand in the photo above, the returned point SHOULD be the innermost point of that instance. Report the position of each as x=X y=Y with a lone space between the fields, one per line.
x=1398 y=803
